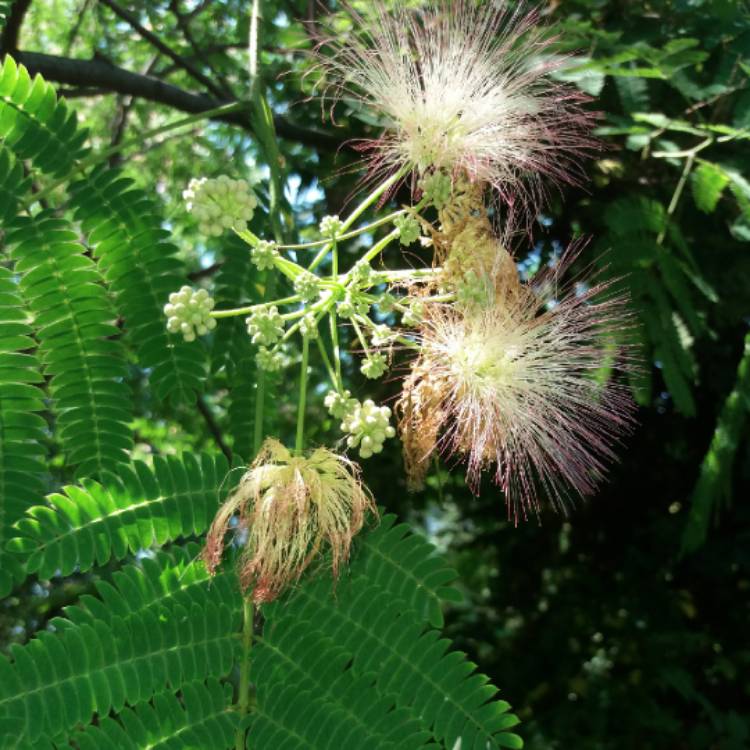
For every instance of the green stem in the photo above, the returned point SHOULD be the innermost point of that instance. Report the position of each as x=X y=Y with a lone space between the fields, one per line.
x=299 y=441
x=333 y=316
x=378 y=247
x=360 y=336
x=335 y=381
x=356 y=213
x=347 y=236
x=243 y=702
x=676 y=195
x=235 y=311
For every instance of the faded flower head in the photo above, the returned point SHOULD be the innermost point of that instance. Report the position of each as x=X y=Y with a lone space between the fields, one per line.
x=291 y=509
x=464 y=87
x=520 y=386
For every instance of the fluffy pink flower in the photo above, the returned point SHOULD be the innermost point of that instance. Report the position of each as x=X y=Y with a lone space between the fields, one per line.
x=524 y=385
x=464 y=87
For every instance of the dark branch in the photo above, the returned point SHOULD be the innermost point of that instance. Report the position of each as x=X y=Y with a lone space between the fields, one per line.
x=213 y=427
x=96 y=75
x=12 y=28
x=165 y=49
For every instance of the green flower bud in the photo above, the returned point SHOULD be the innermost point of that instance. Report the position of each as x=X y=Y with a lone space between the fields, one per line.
x=189 y=313
x=264 y=255
x=220 y=203
x=331 y=226
x=408 y=229
x=265 y=326
x=374 y=366
x=307 y=285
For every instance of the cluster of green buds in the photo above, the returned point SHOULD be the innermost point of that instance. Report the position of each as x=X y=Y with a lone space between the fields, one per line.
x=307 y=285
x=264 y=254
x=265 y=326
x=189 y=313
x=331 y=226
x=366 y=424
x=437 y=188
x=374 y=365
x=220 y=203
x=408 y=227
x=414 y=314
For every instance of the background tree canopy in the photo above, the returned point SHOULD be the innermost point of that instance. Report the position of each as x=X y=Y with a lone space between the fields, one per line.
x=622 y=625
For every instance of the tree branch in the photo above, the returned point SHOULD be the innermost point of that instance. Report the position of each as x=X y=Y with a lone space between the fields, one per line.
x=213 y=427
x=165 y=49
x=12 y=28
x=95 y=74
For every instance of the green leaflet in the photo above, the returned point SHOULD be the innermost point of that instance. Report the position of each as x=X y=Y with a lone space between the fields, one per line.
x=13 y=183
x=34 y=124
x=167 y=596
x=78 y=342
x=714 y=482
x=708 y=183
x=128 y=511
x=199 y=717
x=22 y=449
x=141 y=267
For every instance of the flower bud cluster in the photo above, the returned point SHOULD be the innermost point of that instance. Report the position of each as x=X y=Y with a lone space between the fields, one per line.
x=264 y=255
x=220 y=203
x=374 y=366
x=308 y=326
x=331 y=226
x=351 y=305
x=269 y=360
x=437 y=188
x=381 y=335
x=368 y=426
x=307 y=285
x=408 y=229
x=189 y=313
x=414 y=315
x=340 y=405
x=265 y=326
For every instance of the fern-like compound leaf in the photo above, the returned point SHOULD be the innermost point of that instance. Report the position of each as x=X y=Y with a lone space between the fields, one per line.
x=200 y=716
x=126 y=512
x=380 y=622
x=21 y=427
x=177 y=577
x=78 y=342
x=142 y=268
x=35 y=124
x=61 y=679
x=313 y=665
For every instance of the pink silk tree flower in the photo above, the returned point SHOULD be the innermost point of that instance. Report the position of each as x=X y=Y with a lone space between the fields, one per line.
x=527 y=386
x=463 y=88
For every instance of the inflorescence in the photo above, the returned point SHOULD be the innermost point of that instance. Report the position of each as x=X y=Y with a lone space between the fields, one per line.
x=519 y=378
